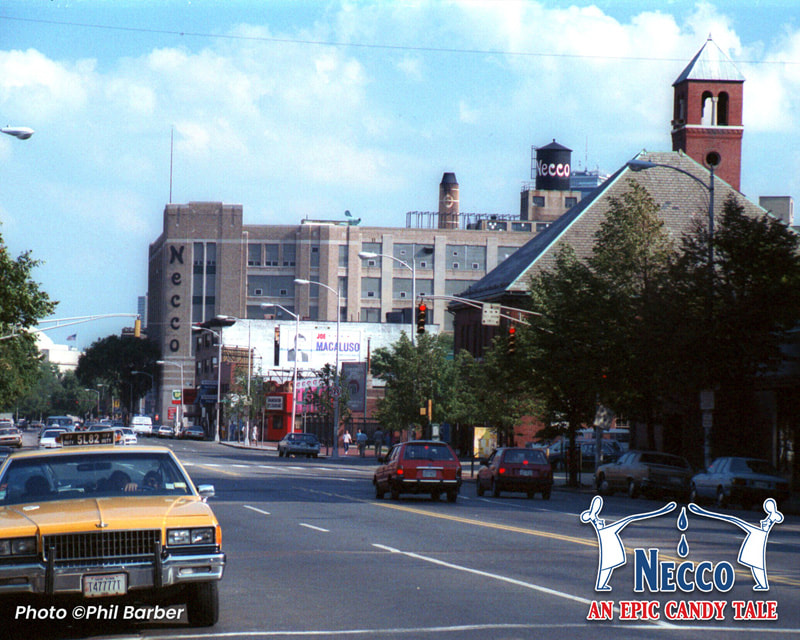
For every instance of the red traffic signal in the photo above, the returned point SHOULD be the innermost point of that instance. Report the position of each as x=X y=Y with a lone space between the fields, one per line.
x=422 y=313
x=512 y=340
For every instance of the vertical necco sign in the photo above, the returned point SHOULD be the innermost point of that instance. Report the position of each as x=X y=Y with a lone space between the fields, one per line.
x=656 y=575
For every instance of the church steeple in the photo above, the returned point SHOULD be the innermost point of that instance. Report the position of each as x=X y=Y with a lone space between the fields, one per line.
x=707 y=112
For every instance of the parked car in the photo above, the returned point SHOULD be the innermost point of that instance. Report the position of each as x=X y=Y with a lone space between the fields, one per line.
x=419 y=466
x=165 y=431
x=610 y=451
x=10 y=437
x=744 y=481
x=299 y=444
x=192 y=432
x=516 y=469
x=646 y=472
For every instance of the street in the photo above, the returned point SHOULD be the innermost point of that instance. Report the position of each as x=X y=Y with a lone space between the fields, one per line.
x=312 y=553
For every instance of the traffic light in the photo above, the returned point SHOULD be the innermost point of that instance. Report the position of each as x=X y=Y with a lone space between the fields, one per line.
x=512 y=340
x=422 y=313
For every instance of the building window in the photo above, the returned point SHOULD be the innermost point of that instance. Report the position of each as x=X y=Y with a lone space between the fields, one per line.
x=344 y=254
x=271 y=252
x=258 y=292
x=370 y=287
x=454 y=265
x=284 y=292
x=570 y=201
x=211 y=254
x=314 y=257
x=254 y=255
x=289 y=254
x=538 y=201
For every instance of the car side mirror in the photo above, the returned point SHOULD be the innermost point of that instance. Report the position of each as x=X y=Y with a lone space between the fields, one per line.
x=483 y=461
x=206 y=491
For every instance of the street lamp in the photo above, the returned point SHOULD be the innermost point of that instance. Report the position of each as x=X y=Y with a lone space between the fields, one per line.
x=98 y=400
x=712 y=160
x=369 y=255
x=23 y=133
x=180 y=406
x=144 y=373
x=294 y=375
x=218 y=335
x=335 y=452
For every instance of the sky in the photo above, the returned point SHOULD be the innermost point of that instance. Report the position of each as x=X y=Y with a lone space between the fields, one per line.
x=302 y=109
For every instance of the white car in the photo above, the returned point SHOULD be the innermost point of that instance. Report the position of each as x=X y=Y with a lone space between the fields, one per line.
x=142 y=425
x=128 y=436
x=49 y=438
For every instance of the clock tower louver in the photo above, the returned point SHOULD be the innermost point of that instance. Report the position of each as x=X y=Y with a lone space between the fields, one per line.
x=707 y=113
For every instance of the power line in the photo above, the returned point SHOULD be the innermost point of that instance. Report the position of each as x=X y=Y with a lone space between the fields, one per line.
x=361 y=45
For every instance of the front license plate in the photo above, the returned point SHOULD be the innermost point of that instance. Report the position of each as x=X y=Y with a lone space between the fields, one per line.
x=526 y=472
x=429 y=473
x=114 y=584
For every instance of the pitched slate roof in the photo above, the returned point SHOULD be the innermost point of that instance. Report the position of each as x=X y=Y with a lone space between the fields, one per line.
x=710 y=63
x=680 y=188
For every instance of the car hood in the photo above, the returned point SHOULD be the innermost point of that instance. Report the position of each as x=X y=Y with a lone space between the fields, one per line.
x=107 y=514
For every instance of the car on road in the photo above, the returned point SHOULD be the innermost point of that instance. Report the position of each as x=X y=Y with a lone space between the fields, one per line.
x=165 y=431
x=299 y=444
x=106 y=524
x=515 y=469
x=649 y=473
x=739 y=480
x=418 y=466
x=10 y=437
x=49 y=438
x=128 y=436
x=65 y=422
x=142 y=425
x=192 y=432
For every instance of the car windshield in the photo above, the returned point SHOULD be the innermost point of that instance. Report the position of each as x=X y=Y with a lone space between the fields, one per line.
x=427 y=452
x=524 y=456
x=95 y=475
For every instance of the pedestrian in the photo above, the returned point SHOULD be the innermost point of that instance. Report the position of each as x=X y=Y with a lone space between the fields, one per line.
x=361 y=441
x=377 y=438
x=347 y=439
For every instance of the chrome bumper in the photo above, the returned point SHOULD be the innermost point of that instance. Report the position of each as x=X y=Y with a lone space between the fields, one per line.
x=35 y=577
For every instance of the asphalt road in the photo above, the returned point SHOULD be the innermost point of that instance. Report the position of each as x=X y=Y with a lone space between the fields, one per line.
x=312 y=554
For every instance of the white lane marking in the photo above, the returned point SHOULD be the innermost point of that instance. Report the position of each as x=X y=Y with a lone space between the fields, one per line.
x=241 y=466
x=311 y=526
x=495 y=576
x=256 y=509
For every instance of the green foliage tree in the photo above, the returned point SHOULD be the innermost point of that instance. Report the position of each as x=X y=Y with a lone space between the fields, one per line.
x=414 y=373
x=111 y=361
x=331 y=389
x=22 y=305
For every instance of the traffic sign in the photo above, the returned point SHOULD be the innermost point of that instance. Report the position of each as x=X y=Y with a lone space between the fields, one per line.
x=490 y=314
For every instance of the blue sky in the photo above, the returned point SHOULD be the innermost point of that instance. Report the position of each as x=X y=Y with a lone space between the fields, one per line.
x=308 y=109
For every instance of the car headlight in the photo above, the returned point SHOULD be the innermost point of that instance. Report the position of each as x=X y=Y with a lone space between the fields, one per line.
x=18 y=546
x=203 y=535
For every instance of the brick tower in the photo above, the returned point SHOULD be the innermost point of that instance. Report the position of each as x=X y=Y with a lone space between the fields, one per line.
x=707 y=113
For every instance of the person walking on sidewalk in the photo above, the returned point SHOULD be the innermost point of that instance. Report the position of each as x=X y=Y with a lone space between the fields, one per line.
x=347 y=439
x=361 y=441
x=377 y=437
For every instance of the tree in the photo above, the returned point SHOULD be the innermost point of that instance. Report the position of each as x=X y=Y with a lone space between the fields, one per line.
x=735 y=317
x=414 y=374
x=22 y=305
x=111 y=360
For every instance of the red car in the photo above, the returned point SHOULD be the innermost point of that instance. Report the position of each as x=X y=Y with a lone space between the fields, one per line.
x=516 y=469
x=419 y=466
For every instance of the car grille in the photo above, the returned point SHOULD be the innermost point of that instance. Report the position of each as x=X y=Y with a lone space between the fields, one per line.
x=102 y=547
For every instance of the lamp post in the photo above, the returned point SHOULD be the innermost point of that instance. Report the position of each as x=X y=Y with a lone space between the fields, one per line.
x=712 y=160
x=144 y=373
x=335 y=453
x=180 y=406
x=98 y=400
x=218 y=335
x=369 y=255
x=294 y=375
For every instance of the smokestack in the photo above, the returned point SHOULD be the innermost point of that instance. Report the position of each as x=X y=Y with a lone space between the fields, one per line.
x=448 y=202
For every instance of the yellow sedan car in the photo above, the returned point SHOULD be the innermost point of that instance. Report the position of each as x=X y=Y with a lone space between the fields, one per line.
x=107 y=523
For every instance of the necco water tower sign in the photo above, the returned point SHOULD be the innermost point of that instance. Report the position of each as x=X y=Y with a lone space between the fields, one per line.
x=552 y=167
